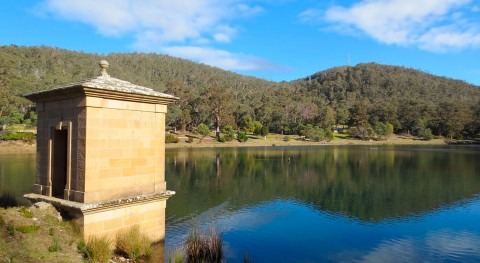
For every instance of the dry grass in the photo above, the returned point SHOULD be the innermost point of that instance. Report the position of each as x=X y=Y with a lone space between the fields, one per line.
x=200 y=247
x=293 y=140
x=97 y=249
x=26 y=236
x=133 y=243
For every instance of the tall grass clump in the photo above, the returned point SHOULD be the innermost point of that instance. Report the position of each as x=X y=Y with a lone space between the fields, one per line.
x=133 y=243
x=200 y=247
x=97 y=249
x=27 y=213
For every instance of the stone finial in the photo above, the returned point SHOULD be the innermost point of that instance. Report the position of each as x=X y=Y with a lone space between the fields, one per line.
x=104 y=66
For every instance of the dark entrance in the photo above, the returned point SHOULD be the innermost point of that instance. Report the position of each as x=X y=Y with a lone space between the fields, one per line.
x=59 y=162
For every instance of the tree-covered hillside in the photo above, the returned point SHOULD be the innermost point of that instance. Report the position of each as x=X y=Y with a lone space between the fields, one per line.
x=368 y=98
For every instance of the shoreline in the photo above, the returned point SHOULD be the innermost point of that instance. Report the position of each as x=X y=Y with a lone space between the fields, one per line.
x=16 y=147
x=271 y=142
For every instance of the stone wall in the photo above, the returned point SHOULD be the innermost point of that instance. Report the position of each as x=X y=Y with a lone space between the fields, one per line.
x=117 y=147
x=124 y=149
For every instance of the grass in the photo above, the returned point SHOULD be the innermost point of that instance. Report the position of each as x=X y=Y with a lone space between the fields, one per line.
x=26 y=236
x=133 y=243
x=55 y=247
x=200 y=247
x=26 y=229
x=27 y=213
x=97 y=249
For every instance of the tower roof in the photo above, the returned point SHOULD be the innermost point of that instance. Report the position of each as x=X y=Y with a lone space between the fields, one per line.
x=103 y=86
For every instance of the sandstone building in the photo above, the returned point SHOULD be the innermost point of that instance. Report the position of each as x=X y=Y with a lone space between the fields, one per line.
x=101 y=154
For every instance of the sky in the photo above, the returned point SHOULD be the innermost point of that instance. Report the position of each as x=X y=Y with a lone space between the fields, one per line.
x=279 y=40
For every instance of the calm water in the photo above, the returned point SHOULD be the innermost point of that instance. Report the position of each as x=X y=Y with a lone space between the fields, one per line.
x=319 y=204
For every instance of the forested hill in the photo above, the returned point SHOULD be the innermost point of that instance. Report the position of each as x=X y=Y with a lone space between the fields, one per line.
x=360 y=97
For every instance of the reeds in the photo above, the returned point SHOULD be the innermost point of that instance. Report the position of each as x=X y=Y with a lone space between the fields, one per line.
x=200 y=247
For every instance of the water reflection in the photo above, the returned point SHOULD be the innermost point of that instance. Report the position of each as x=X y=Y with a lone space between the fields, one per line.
x=361 y=182
x=334 y=204
x=317 y=204
x=440 y=246
x=17 y=175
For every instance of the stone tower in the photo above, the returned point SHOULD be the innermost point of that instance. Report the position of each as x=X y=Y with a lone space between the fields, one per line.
x=101 y=154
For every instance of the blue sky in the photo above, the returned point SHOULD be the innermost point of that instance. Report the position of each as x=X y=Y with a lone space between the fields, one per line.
x=276 y=40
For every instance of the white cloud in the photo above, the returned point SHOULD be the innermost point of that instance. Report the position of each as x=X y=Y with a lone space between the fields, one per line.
x=179 y=27
x=247 y=10
x=219 y=58
x=429 y=24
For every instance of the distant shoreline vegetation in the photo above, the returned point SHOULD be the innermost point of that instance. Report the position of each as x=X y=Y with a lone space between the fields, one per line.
x=371 y=100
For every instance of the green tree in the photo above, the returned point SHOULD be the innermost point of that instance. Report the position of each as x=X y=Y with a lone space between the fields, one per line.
x=265 y=131
x=383 y=130
x=257 y=127
x=229 y=133
x=327 y=117
x=203 y=130
x=242 y=136
x=453 y=119
x=248 y=124
x=219 y=102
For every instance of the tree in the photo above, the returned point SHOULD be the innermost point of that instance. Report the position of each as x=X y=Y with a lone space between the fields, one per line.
x=248 y=125
x=242 y=136
x=257 y=127
x=265 y=131
x=359 y=120
x=219 y=102
x=383 y=130
x=342 y=116
x=327 y=117
x=203 y=130
x=228 y=132
x=453 y=119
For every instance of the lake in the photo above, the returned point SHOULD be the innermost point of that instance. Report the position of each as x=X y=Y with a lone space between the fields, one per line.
x=318 y=204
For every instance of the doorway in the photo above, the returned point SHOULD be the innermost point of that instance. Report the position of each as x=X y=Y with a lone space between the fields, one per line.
x=59 y=162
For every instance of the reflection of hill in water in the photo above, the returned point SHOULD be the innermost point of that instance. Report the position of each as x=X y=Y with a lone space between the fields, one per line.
x=369 y=183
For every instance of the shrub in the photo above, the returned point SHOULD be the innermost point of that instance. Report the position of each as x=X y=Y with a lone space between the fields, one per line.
x=329 y=134
x=222 y=139
x=190 y=140
x=427 y=134
x=97 y=249
x=134 y=243
x=10 y=135
x=170 y=138
x=286 y=138
x=242 y=136
x=229 y=133
x=203 y=130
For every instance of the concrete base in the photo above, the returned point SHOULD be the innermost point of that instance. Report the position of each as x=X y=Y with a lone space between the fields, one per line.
x=113 y=216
